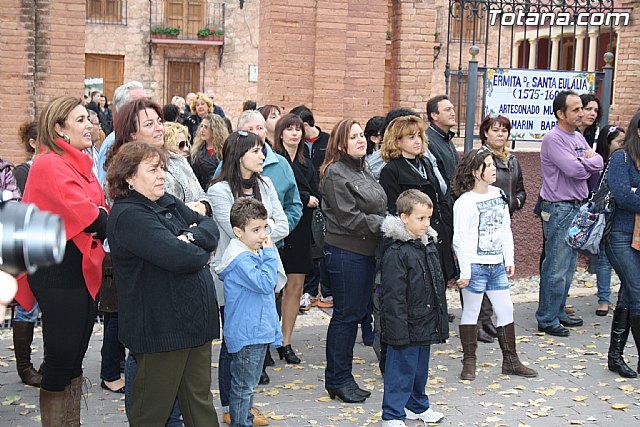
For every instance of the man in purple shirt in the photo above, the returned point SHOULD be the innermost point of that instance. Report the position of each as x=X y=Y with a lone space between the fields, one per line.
x=569 y=166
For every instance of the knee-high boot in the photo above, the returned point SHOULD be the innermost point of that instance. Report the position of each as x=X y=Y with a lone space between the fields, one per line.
x=73 y=403
x=469 y=340
x=635 y=328
x=511 y=364
x=53 y=407
x=620 y=328
x=22 y=339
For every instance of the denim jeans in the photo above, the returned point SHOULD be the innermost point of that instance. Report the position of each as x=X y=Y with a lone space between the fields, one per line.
x=488 y=277
x=246 y=367
x=112 y=351
x=317 y=276
x=559 y=262
x=130 y=371
x=625 y=261
x=405 y=379
x=351 y=284
x=31 y=316
x=603 y=276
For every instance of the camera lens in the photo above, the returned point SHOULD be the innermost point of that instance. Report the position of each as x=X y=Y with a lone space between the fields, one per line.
x=29 y=239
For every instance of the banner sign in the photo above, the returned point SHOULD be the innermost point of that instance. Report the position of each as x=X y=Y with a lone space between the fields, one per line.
x=526 y=97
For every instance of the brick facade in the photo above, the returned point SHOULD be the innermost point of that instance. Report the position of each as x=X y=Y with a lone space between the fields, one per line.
x=42 y=58
x=331 y=55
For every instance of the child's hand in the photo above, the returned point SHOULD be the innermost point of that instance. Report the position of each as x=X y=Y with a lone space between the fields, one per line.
x=510 y=269
x=267 y=243
x=462 y=283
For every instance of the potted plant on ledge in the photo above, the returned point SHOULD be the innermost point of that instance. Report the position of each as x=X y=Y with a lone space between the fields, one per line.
x=165 y=32
x=206 y=33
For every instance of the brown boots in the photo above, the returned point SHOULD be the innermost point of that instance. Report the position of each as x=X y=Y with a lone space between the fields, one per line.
x=61 y=408
x=22 y=339
x=511 y=365
x=469 y=339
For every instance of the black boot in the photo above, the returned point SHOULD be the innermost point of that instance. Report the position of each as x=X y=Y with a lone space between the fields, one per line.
x=635 y=328
x=288 y=354
x=619 y=333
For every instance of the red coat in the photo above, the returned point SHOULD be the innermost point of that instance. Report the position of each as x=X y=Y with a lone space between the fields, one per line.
x=65 y=185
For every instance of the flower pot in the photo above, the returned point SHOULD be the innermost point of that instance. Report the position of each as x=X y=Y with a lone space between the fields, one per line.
x=209 y=37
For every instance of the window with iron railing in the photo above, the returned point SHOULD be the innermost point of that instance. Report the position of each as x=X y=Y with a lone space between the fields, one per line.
x=468 y=21
x=187 y=17
x=107 y=11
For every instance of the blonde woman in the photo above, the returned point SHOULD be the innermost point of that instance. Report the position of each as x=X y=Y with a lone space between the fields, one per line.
x=403 y=151
x=206 y=151
x=176 y=138
x=200 y=107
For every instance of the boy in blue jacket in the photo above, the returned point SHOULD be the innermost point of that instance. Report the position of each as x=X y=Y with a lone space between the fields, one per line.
x=414 y=309
x=250 y=271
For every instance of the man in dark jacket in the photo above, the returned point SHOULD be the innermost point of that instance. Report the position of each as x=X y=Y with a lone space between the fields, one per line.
x=442 y=117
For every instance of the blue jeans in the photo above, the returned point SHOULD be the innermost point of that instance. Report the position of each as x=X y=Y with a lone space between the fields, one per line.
x=559 y=262
x=603 y=276
x=112 y=351
x=405 y=378
x=625 y=261
x=246 y=367
x=317 y=276
x=31 y=316
x=351 y=284
x=130 y=371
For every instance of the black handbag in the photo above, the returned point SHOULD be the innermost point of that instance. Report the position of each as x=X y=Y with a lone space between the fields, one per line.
x=318 y=231
x=603 y=202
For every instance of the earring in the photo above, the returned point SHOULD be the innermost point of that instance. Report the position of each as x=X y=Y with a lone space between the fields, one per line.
x=131 y=187
x=66 y=138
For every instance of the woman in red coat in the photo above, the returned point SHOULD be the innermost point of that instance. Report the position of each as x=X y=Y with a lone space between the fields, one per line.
x=61 y=181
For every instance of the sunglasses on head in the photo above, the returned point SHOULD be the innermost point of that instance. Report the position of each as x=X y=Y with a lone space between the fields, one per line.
x=494 y=116
x=483 y=149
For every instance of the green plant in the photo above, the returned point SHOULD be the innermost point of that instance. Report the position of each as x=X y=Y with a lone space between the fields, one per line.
x=389 y=34
x=173 y=31
x=205 y=32
x=219 y=32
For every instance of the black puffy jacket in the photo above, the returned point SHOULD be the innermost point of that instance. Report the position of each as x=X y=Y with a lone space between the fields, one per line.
x=414 y=304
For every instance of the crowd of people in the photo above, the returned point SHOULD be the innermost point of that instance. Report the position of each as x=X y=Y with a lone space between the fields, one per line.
x=181 y=230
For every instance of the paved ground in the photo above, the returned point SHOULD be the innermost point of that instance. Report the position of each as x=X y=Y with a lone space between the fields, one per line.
x=574 y=386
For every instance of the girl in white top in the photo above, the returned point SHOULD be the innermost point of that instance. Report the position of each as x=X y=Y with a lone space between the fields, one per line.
x=483 y=243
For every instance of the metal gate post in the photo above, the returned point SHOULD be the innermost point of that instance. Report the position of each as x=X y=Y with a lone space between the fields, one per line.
x=472 y=95
x=606 y=88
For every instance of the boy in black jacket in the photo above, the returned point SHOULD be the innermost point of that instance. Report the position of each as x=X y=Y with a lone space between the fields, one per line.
x=414 y=309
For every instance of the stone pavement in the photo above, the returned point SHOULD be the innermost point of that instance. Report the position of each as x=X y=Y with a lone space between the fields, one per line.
x=574 y=386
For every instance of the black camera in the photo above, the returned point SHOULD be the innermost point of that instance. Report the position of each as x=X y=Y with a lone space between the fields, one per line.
x=29 y=238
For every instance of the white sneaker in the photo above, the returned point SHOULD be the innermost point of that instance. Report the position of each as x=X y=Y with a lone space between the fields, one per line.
x=393 y=423
x=305 y=302
x=428 y=416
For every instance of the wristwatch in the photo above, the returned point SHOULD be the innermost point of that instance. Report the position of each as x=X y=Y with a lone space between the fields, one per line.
x=189 y=236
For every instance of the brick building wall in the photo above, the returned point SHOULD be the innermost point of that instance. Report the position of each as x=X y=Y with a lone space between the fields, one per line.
x=627 y=63
x=42 y=58
x=329 y=55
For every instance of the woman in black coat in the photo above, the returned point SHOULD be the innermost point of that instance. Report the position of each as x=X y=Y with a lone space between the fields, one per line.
x=160 y=250
x=402 y=150
x=296 y=254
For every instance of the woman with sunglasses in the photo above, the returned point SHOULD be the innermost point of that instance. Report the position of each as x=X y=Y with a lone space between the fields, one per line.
x=206 y=151
x=241 y=176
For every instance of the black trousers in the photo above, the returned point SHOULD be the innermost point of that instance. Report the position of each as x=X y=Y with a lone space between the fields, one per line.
x=68 y=315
